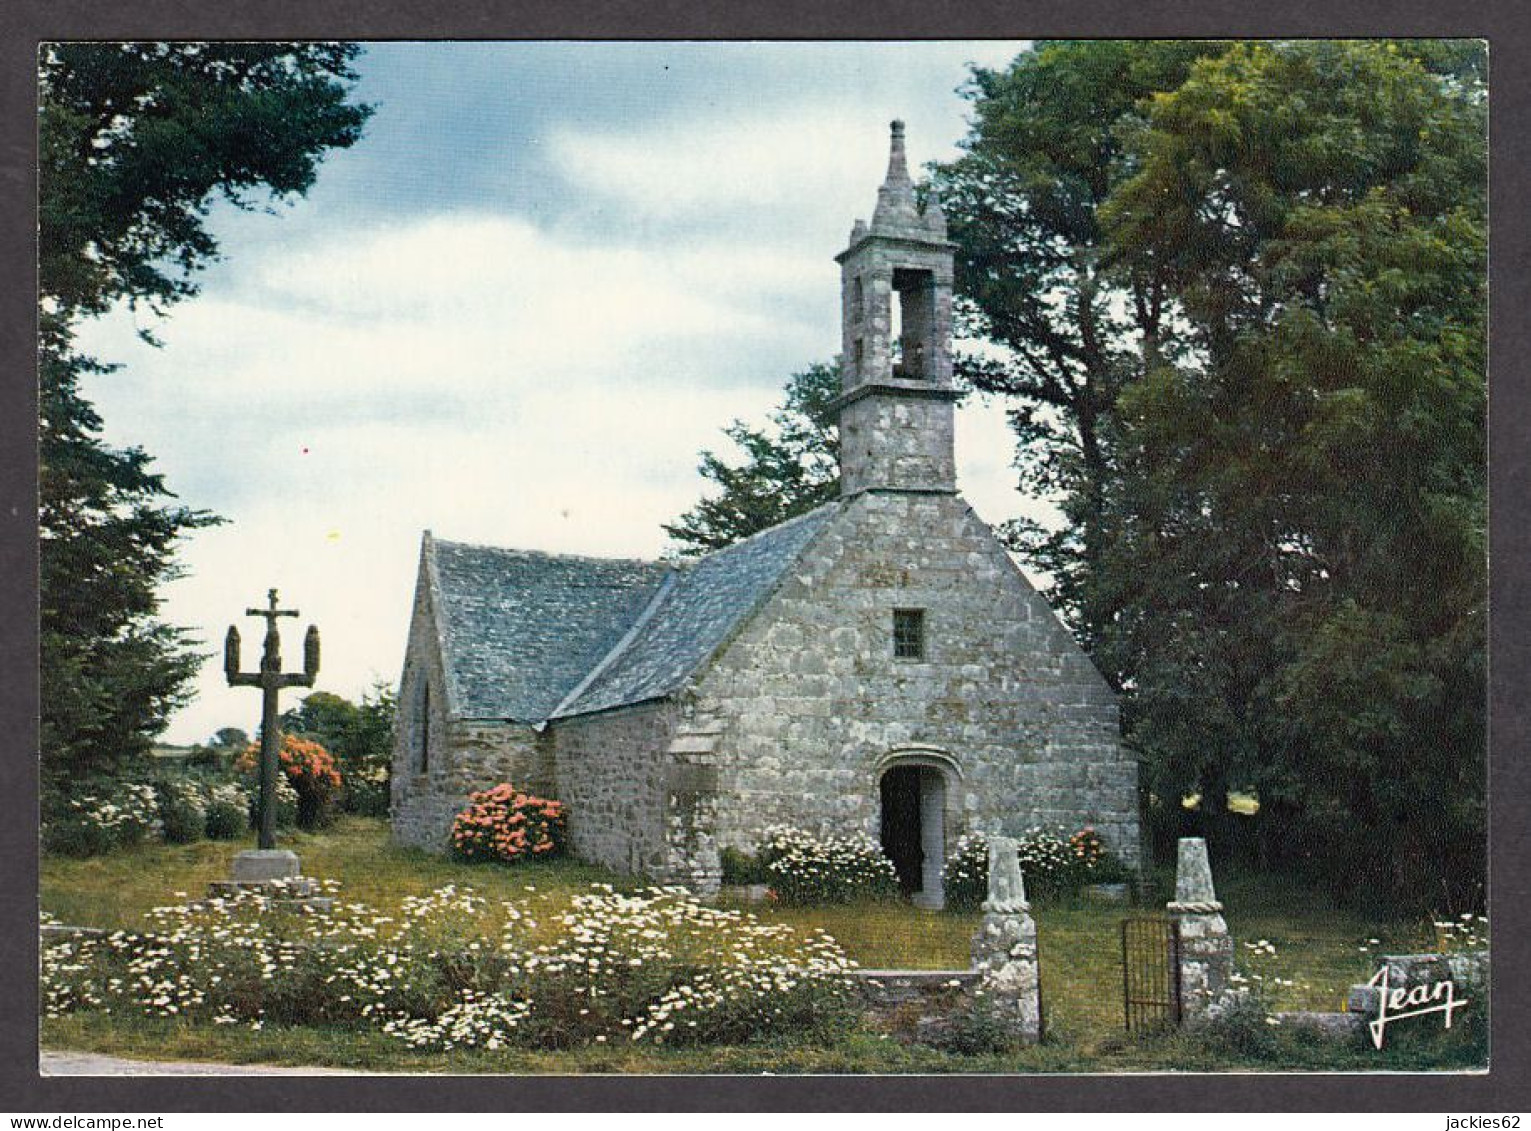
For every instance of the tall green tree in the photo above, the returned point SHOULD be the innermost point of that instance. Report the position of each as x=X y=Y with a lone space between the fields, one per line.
x=136 y=141
x=788 y=469
x=1296 y=525
x=229 y=741
x=1047 y=149
x=1237 y=297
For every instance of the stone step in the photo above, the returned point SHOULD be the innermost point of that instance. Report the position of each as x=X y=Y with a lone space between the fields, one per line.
x=1327 y=1026
x=295 y=887
x=920 y=978
x=50 y=932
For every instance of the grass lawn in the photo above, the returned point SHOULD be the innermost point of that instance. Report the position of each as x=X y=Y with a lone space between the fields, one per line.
x=1319 y=951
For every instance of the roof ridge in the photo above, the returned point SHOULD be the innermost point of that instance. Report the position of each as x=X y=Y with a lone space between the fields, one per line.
x=546 y=553
x=782 y=525
x=681 y=565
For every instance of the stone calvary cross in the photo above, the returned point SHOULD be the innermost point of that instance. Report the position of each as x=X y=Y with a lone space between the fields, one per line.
x=270 y=679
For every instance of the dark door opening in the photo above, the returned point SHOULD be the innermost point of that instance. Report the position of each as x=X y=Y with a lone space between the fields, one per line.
x=901 y=834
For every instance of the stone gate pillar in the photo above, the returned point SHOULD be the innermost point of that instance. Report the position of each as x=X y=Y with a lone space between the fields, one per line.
x=1005 y=947
x=1206 y=949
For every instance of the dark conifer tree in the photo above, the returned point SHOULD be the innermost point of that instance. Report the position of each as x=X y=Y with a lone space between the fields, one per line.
x=136 y=141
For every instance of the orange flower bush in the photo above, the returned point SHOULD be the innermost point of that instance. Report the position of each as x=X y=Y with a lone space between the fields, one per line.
x=507 y=825
x=309 y=769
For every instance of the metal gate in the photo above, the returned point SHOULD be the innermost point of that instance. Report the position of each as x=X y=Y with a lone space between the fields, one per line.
x=1151 y=974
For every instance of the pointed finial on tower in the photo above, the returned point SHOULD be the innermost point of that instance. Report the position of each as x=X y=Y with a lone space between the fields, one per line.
x=898 y=166
x=895 y=199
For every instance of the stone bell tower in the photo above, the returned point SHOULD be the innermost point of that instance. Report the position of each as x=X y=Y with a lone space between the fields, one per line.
x=896 y=397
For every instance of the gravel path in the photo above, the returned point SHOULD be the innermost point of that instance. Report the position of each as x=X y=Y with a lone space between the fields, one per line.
x=53 y=1063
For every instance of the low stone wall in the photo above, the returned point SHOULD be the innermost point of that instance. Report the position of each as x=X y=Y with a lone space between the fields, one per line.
x=1004 y=967
x=54 y=932
x=1347 y=1027
x=886 y=990
x=916 y=1003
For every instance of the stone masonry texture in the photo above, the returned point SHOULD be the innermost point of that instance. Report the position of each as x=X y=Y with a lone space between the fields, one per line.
x=613 y=776
x=815 y=707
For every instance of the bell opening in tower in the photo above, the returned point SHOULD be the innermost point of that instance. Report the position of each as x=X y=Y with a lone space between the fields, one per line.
x=913 y=323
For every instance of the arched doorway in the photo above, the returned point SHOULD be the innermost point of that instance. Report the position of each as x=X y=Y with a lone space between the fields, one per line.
x=913 y=828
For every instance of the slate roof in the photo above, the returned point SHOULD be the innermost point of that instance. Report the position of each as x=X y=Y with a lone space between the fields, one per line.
x=520 y=629
x=531 y=636
x=696 y=614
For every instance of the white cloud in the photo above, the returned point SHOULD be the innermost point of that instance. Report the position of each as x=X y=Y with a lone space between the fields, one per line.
x=774 y=170
x=479 y=298
x=781 y=158
x=522 y=332
x=467 y=374
x=499 y=381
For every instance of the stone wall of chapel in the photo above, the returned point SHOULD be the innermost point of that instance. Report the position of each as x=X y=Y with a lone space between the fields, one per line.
x=811 y=701
x=464 y=755
x=614 y=775
x=470 y=756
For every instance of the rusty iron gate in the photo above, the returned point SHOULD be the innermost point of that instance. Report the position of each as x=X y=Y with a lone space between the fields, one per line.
x=1151 y=974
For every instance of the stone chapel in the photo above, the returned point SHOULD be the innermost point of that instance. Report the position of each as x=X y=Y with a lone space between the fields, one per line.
x=879 y=664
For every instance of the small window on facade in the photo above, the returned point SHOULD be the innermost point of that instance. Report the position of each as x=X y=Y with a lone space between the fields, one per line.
x=425 y=727
x=909 y=634
x=860 y=355
x=858 y=301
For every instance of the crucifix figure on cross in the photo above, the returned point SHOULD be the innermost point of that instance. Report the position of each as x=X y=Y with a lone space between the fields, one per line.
x=270 y=679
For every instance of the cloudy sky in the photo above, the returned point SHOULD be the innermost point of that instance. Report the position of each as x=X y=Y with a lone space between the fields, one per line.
x=513 y=314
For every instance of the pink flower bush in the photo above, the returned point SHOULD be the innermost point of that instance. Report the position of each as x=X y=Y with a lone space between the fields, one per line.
x=505 y=825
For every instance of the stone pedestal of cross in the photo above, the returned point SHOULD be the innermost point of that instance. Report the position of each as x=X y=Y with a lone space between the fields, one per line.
x=267 y=864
